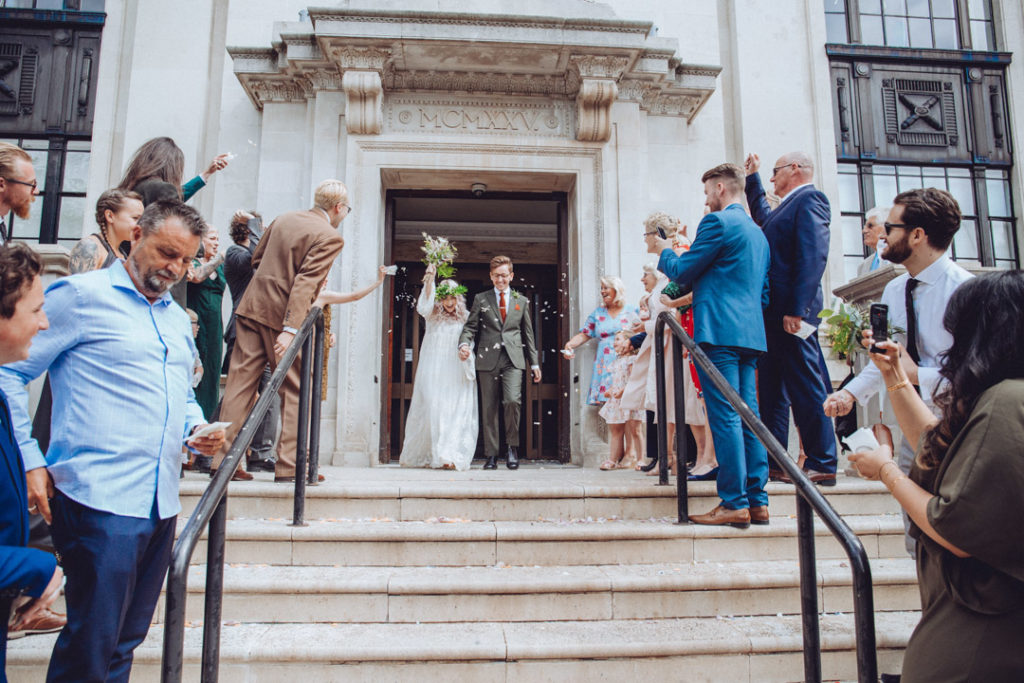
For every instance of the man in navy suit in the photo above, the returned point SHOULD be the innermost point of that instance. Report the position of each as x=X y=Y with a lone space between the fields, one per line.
x=28 y=576
x=727 y=265
x=790 y=374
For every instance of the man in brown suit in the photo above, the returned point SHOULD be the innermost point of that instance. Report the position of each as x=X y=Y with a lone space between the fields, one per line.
x=290 y=263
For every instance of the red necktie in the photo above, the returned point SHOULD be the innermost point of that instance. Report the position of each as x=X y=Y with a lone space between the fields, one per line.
x=501 y=306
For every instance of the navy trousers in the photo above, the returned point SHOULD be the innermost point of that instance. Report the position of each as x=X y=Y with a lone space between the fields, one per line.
x=790 y=375
x=115 y=566
x=742 y=459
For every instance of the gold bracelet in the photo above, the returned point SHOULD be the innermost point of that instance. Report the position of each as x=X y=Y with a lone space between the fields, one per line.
x=898 y=385
x=881 y=474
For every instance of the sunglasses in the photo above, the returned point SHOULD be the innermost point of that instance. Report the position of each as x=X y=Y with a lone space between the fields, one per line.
x=889 y=227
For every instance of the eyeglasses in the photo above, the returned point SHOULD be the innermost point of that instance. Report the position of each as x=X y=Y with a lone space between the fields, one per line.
x=648 y=234
x=33 y=184
x=889 y=227
x=775 y=171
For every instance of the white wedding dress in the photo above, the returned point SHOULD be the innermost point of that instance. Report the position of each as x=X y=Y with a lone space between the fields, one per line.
x=441 y=427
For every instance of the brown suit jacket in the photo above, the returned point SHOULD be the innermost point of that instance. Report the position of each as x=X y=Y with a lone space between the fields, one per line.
x=289 y=265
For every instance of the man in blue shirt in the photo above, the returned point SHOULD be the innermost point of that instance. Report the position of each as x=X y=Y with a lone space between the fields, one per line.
x=29 y=578
x=727 y=265
x=119 y=352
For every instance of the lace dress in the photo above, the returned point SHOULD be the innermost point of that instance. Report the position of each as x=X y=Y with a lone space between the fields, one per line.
x=441 y=427
x=612 y=411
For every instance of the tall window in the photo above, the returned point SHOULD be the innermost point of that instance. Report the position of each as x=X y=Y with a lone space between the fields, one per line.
x=66 y=5
x=911 y=23
x=62 y=171
x=986 y=236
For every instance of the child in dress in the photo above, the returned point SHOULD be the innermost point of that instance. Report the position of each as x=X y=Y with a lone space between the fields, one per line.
x=624 y=425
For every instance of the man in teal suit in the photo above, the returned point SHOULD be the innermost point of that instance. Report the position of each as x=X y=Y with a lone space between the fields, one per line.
x=727 y=266
x=499 y=326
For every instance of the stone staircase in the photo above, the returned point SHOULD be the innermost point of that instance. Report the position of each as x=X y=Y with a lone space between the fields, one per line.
x=547 y=573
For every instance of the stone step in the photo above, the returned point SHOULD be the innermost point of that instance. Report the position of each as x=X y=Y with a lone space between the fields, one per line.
x=456 y=543
x=754 y=649
x=261 y=593
x=525 y=495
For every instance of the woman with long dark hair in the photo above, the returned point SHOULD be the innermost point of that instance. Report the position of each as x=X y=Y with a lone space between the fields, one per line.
x=965 y=492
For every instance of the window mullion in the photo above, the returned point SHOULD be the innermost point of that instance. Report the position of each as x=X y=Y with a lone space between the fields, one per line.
x=963 y=24
x=987 y=251
x=853 y=21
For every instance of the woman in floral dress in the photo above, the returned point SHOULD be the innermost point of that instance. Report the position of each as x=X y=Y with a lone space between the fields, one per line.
x=602 y=324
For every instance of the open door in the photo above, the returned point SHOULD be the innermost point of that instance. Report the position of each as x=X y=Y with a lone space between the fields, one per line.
x=480 y=229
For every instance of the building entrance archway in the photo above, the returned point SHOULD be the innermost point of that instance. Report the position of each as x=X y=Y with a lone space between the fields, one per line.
x=531 y=229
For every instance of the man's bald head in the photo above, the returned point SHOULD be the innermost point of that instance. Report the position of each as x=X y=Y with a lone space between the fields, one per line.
x=792 y=170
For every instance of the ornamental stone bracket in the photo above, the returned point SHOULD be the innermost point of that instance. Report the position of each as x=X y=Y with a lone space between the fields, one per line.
x=594 y=59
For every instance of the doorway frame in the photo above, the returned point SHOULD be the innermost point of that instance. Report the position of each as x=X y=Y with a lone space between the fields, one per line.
x=564 y=450
x=372 y=165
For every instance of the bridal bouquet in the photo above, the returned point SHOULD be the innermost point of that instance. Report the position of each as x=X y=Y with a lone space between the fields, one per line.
x=441 y=253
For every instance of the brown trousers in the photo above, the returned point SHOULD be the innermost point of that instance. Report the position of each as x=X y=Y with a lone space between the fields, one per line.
x=254 y=348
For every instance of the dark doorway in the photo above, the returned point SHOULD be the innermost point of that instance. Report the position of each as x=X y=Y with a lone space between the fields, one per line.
x=529 y=228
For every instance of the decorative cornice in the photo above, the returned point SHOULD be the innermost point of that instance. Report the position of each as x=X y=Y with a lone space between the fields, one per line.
x=599 y=66
x=427 y=52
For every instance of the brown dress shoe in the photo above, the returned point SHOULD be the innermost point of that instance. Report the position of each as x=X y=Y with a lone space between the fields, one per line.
x=759 y=514
x=720 y=515
x=239 y=475
x=46 y=622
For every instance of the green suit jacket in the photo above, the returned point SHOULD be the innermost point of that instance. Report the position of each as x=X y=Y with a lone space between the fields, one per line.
x=485 y=329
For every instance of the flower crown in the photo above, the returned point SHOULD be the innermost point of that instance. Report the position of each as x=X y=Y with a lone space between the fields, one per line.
x=445 y=290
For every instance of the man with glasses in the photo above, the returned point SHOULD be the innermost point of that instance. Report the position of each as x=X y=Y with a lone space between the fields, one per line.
x=290 y=264
x=18 y=188
x=919 y=230
x=790 y=375
x=874 y=239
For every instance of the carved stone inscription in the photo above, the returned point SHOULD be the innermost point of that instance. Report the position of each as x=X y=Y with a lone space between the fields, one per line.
x=468 y=115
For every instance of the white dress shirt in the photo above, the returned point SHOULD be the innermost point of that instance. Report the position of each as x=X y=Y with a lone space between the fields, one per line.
x=937 y=283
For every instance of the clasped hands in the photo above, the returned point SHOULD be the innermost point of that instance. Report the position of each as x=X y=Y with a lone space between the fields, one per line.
x=464 y=353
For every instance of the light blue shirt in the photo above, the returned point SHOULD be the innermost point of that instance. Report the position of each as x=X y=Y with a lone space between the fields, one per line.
x=121 y=374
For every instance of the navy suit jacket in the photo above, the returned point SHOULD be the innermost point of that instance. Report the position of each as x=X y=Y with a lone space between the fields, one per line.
x=23 y=571
x=727 y=265
x=798 y=234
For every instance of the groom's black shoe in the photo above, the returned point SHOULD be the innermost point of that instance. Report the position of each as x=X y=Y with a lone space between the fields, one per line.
x=492 y=463
x=512 y=459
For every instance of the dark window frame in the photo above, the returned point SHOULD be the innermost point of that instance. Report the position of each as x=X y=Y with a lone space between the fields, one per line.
x=963 y=24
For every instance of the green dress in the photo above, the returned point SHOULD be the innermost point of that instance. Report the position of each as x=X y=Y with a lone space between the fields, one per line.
x=205 y=299
x=972 y=609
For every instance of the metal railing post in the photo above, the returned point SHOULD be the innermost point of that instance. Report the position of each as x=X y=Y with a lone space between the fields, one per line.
x=659 y=384
x=808 y=591
x=211 y=511
x=682 y=443
x=809 y=500
x=315 y=394
x=214 y=591
x=302 y=444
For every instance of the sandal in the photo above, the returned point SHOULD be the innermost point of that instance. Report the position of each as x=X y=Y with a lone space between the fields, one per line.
x=609 y=464
x=626 y=464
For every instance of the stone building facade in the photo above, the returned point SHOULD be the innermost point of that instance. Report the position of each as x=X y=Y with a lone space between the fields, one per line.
x=574 y=119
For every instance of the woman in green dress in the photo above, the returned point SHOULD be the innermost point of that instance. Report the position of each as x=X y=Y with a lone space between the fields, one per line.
x=205 y=294
x=965 y=492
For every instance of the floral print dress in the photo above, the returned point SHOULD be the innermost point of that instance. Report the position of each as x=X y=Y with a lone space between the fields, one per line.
x=603 y=328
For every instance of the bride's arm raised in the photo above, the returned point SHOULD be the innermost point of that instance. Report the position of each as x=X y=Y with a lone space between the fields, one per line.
x=425 y=304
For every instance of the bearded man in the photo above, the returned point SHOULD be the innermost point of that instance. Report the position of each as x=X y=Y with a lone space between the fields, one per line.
x=119 y=352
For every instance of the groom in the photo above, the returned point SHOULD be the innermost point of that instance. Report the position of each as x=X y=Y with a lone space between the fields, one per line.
x=499 y=326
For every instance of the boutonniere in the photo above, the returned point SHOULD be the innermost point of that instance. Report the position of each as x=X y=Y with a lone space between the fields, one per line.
x=515 y=294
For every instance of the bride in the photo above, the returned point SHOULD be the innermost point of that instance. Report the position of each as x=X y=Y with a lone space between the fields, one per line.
x=441 y=427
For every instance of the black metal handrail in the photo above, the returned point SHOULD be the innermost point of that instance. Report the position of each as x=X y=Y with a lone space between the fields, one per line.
x=808 y=501
x=211 y=511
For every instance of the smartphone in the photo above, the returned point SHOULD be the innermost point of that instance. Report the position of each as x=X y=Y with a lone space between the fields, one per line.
x=661 y=233
x=879 y=316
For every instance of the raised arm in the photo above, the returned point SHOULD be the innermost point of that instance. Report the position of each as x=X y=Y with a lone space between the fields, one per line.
x=328 y=297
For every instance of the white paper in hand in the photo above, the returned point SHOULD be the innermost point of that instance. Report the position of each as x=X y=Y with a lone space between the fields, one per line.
x=806 y=330
x=861 y=440
x=207 y=430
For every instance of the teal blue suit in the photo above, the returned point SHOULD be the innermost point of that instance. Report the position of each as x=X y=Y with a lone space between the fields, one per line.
x=727 y=266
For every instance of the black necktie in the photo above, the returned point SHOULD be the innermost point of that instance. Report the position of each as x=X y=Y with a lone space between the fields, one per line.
x=912 y=321
x=3 y=232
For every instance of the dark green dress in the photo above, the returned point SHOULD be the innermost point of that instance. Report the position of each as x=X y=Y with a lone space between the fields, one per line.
x=972 y=617
x=205 y=299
